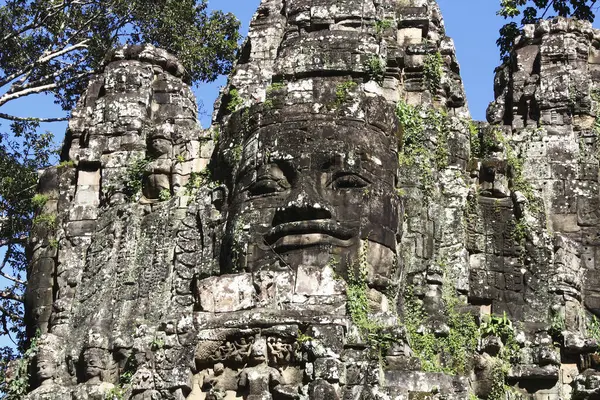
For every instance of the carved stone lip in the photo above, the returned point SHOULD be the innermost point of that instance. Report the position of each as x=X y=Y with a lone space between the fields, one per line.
x=308 y=233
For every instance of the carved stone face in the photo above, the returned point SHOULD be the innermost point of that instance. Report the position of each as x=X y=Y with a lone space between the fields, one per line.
x=93 y=364
x=47 y=358
x=46 y=364
x=308 y=192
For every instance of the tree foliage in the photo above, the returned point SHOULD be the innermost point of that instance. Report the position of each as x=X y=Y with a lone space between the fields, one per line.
x=54 y=47
x=530 y=11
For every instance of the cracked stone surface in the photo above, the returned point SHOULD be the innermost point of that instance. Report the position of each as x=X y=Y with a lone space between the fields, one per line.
x=283 y=252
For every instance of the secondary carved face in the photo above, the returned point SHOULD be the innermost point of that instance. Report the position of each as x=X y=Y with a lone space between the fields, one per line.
x=46 y=364
x=93 y=364
x=308 y=192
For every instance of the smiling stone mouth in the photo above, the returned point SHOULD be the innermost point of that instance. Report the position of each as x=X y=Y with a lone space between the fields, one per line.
x=304 y=233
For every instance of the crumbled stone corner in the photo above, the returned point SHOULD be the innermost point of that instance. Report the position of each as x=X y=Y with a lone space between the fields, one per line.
x=343 y=230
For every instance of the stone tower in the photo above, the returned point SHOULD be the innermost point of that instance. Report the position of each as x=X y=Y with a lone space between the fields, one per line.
x=343 y=230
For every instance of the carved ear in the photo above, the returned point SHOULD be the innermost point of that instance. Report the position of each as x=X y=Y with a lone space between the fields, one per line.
x=219 y=196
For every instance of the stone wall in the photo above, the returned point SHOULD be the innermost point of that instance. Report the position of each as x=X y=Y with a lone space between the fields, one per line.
x=343 y=230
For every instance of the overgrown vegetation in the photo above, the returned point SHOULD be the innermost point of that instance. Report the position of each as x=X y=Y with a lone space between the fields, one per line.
x=382 y=25
x=234 y=100
x=501 y=327
x=303 y=338
x=416 y=148
x=47 y=221
x=134 y=176
x=164 y=195
x=66 y=164
x=342 y=92
x=593 y=328
x=375 y=67
x=274 y=87
x=39 y=201
x=358 y=306
x=125 y=377
x=452 y=352
x=432 y=71
x=18 y=386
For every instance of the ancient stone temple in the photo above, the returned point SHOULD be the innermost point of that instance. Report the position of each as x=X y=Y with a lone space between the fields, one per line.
x=343 y=229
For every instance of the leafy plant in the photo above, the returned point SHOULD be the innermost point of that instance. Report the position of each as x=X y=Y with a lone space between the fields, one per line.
x=593 y=328
x=66 y=164
x=47 y=221
x=115 y=393
x=375 y=67
x=451 y=353
x=164 y=195
x=557 y=323
x=276 y=86
x=358 y=306
x=383 y=24
x=303 y=338
x=234 y=100
x=18 y=386
x=474 y=139
x=432 y=71
x=216 y=134
x=134 y=176
x=415 y=125
x=39 y=200
x=342 y=92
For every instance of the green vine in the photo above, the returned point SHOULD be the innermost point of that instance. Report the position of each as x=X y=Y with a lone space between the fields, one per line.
x=134 y=175
x=501 y=327
x=234 y=100
x=432 y=71
x=413 y=138
x=452 y=353
x=18 y=386
x=358 y=306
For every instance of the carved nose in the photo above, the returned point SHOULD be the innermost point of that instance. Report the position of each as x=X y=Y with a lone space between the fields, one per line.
x=295 y=213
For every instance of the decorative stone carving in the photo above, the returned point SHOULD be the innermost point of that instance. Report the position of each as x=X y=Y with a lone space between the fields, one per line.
x=321 y=234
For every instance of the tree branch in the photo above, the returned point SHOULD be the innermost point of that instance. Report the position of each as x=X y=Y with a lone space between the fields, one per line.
x=31 y=119
x=12 y=316
x=43 y=88
x=10 y=295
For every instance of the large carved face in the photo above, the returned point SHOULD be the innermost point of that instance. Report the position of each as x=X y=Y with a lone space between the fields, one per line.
x=312 y=192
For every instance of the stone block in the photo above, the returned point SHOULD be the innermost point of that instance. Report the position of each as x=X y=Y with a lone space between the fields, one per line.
x=330 y=369
x=408 y=36
x=317 y=281
x=226 y=293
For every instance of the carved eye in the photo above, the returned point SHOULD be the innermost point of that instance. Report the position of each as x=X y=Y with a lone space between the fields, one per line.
x=264 y=186
x=349 y=181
